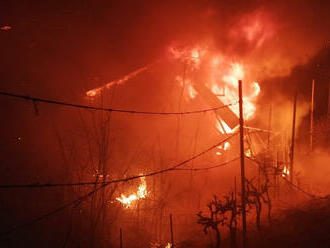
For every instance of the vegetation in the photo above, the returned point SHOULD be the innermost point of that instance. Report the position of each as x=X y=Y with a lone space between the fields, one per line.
x=221 y=213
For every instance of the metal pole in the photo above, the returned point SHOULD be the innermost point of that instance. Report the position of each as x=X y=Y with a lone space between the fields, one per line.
x=312 y=118
x=241 y=129
x=121 y=238
x=293 y=134
x=171 y=227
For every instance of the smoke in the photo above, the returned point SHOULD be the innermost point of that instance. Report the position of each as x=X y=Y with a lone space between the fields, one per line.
x=274 y=37
x=314 y=171
x=270 y=37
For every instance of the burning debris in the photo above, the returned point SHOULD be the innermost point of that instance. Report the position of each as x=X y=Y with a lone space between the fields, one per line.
x=211 y=75
x=219 y=74
x=97 y=91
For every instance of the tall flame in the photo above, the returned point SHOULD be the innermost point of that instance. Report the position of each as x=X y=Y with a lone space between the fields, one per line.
x=220 y=75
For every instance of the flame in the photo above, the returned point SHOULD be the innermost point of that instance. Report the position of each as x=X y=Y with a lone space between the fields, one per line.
x=220 y=75
x=195 y=57
x=142 y=191
x=226 y=145
x=127 y=200
x=140 y=194
x=190 y=56
x=191 y=91
x=234 y=73
x=169 y=245
x=285 y=172
x=188 y=87
x=248 y=153
x=97 y=91
x=224 y=128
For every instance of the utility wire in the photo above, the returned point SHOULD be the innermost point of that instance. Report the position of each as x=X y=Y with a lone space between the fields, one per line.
x=73 y=105
x=210 y=167
x=302 y=190
x=290 y=183
x=173 y=168
x=77 y=201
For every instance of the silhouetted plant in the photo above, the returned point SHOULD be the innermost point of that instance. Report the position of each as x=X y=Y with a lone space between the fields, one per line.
x=221 y=213
x=256 y=196
x=234 y=210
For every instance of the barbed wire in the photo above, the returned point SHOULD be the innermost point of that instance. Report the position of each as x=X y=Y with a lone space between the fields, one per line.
x=74 y=105
x=78 y=201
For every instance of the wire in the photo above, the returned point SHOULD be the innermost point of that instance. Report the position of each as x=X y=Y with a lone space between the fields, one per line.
x=209 y=168
x=104 y=184
x=259 y=130
x=73 y=105
x=42 y=217
x=303 y=191
x=290 y=183
x=175 y=167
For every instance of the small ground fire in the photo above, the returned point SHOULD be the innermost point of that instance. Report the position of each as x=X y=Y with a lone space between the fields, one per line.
x=141 y=193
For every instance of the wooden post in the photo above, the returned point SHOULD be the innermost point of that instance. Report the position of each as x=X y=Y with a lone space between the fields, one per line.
x=269 y=125
x=171 y=228
x=121 y=238
x=233 y=239
x=241 y=129
x=235 y=198
x=293 y=134
x=235 y=189
x=328 y=114
x=312 y=118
